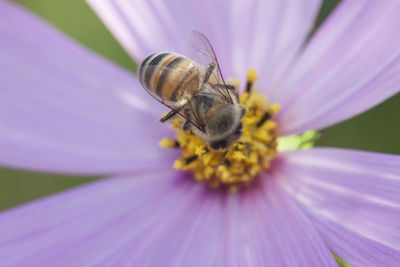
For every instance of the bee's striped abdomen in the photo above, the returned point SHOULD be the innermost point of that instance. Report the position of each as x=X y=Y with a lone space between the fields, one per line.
x=166 y=76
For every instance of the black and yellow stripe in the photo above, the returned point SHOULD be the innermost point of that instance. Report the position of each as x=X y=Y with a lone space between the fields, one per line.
x=166 y=76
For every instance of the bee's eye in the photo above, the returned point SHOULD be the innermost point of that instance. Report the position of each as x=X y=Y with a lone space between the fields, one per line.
x=242 y=112
x=239 y=128
x=217 y=145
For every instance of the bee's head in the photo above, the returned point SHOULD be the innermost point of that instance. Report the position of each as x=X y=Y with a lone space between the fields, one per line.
x=227 y=141
x=224 y=127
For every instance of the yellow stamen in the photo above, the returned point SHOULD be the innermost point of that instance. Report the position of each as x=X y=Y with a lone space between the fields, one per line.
x=252 y=75
x=179 y=164
x=200 y=150
x=275 y=108
x=168 y=143
x=244 y=160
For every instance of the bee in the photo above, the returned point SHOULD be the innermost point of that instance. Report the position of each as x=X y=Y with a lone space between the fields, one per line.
x=193 y=87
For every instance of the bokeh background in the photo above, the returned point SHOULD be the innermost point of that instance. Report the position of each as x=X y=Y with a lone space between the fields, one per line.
x=375 y=130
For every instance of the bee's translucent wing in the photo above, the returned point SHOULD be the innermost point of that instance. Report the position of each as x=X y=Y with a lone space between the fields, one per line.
x=200 y=50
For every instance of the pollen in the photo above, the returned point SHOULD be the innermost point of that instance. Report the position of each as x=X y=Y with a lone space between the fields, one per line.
x=252 y=75
x=242 y=163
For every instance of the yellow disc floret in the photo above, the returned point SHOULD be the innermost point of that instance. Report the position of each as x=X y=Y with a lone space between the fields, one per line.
x=245 y=159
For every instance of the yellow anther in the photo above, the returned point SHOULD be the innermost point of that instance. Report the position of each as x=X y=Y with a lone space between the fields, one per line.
x=263 y=136
x=252 y=75
x=244 y=160
x=200 y=150
x=207 y=158
x=176 y=123
x=221 y=168
x=238 y=155
x=269 y=125
x=274 y=109
x=167 y=143
x=178 y=164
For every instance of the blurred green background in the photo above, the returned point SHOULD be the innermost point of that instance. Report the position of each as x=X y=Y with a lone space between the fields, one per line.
x=375 y=130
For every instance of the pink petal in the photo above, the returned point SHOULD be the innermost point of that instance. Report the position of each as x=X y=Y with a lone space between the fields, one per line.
x=350 y=65
x=65 y=109
x=352 y=197
x=245 y=34
x=160 y=219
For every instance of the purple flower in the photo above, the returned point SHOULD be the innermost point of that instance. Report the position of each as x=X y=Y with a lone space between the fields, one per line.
x=64 y=109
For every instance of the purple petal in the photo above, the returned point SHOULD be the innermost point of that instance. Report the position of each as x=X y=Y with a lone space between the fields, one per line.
x=65 y=109
x=350 y=65
x=352 y=197
x=86 y=225
x=265 y=227
x=245 y=34
x=161 y=219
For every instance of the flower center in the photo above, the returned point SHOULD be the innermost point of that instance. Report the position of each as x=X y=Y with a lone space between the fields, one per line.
x=239 y=165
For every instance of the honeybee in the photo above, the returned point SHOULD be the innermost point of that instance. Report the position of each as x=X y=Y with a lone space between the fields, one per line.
x=193 y=87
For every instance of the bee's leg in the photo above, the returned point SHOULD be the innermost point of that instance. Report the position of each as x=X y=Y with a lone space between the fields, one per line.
x=227 y=86
x=186 y=126
x=230 y=87
x=223 y=158
x=210 y=70
x=168 y=116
